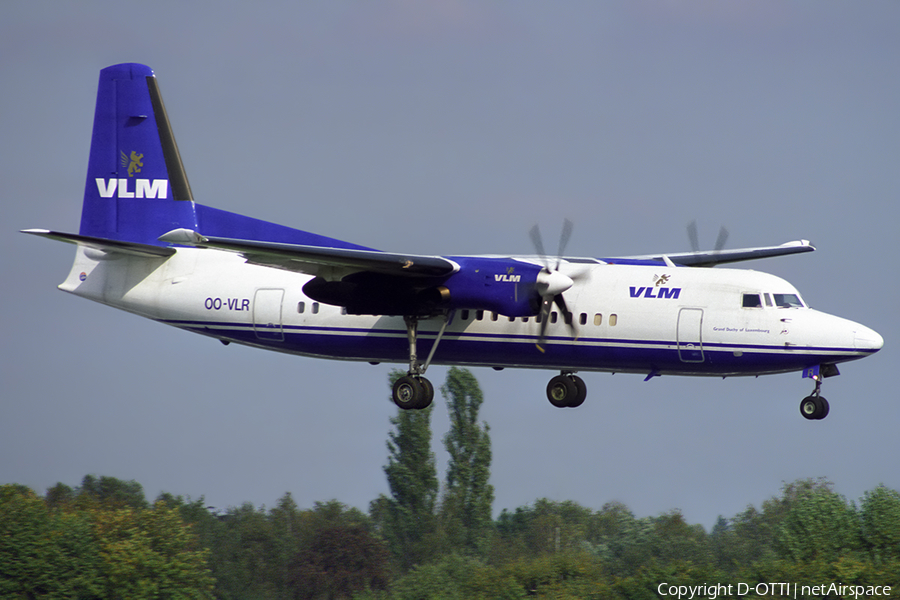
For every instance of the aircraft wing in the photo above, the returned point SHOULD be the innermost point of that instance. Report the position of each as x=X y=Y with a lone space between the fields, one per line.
x=331 y=263
x=712 y=258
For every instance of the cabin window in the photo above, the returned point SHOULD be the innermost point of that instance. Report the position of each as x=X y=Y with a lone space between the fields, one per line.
x=553 y=317
x=315 y=308
x=788 y=301
x=511 y=319
x=301 y=306
x=613 y=320
x=343 y=310
x=464 y=315
x=538 y=318
x=494 y=316
x=479 y=315
x=524 y=319
x=598 y=319
x=583 y=319
x=751 y=301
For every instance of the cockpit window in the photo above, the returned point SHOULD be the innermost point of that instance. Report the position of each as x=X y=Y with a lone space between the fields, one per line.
x=788 y=301
x=751 y=301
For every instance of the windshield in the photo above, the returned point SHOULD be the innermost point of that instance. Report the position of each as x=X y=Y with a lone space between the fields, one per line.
x=788 y=301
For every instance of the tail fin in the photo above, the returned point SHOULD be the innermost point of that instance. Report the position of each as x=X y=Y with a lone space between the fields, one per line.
x=136 y=188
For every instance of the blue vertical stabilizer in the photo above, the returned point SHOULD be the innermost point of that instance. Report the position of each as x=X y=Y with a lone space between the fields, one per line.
x=136 y=188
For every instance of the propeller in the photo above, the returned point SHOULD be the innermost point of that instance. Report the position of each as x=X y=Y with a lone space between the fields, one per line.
x=695 y=241
x=551 y=283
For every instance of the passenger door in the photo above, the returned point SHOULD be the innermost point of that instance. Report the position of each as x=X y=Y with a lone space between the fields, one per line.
x=690 y=338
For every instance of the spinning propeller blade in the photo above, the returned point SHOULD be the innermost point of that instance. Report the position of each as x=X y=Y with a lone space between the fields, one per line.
x=695 y=240
x=551 y=283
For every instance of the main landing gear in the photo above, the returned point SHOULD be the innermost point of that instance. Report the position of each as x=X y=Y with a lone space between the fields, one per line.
x=815 y=407
x=566 y=390
x=413 y=391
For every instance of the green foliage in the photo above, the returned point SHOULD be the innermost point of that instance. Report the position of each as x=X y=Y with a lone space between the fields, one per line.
x=818 y=525
x=111 y=491
x=339 y=559
x=466 y=508
x=62 y=548
x=407 y=518
x=880 y=524
x=44 y=553
x=71 y=544
x=150 y=553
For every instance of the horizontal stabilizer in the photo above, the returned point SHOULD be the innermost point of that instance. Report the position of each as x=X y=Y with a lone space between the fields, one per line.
x=132 y=248
x=312 y=259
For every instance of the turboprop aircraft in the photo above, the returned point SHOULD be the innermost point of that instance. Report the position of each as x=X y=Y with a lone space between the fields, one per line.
x=146 y=247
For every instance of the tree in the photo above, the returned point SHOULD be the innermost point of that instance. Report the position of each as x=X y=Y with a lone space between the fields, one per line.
x=468 y=497
x=44 y=553
x=90 y=549
x=408 y=515
x=880 y=521
x=819 y=526
x=111 y=491
x=244 y=556
x=338 y=554
x=150 y=553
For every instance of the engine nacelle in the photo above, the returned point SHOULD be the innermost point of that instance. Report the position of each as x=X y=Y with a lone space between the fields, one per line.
x=501 y=285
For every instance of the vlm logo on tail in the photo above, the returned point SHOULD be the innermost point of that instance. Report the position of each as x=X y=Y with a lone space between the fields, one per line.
x=143 y=188
x=134 y=162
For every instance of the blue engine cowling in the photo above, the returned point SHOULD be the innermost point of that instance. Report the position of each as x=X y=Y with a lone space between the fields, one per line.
x=501 y=285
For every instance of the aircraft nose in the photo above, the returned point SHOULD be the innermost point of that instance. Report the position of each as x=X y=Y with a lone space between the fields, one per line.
x=867 y=339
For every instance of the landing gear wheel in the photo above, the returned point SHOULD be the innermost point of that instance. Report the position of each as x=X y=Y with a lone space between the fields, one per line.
x=428 y=395
x=412 y=392
x=814 y=408
x=561 y=390
x=581 y=394
x=566 y=391
x=823 y=408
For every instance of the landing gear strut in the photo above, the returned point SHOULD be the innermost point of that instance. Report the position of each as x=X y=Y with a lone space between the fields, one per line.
x=413 y=391
x=815 y=406
x=566 y=390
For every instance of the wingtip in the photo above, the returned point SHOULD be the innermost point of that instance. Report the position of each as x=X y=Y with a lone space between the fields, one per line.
x=799 y=244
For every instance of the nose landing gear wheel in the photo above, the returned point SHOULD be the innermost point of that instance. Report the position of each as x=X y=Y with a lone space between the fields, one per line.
x=412 y=392
x=566 y=391
x=814 y=408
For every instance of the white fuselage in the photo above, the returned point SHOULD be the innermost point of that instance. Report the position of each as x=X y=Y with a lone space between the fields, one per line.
x=653 y=320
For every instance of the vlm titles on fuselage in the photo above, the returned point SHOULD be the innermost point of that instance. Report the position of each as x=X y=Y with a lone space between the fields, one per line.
x=145 y=246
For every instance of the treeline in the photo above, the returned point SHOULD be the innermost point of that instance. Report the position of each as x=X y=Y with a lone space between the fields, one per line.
x=103 y=540
x=429 y=539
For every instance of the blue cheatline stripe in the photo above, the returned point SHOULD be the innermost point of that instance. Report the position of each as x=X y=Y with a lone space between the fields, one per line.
x=496 y=348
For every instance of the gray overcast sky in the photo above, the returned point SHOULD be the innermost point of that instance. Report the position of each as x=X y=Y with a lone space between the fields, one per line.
x=453 y=127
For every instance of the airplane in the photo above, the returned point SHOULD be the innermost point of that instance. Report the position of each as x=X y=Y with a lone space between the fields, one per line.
x=146 y=247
